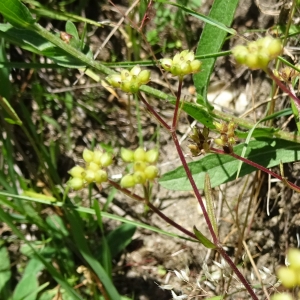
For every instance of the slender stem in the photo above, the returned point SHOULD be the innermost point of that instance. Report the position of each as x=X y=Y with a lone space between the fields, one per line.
x=284 y=88
x=215 y=239
x=154 y=113
x=155 y=209
x=194 y=186
x=176 y=110
x=257 y=166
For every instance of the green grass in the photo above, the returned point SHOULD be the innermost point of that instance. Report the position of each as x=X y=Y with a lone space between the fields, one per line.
x=63 y=236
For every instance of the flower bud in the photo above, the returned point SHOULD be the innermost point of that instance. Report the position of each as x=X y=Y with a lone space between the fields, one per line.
x=114 y=80
x=152 y=156
x=220 y=142
x=93 y=166
x=136 y=70
x=293 y=257
x=264 y=43
x=77 y=172
x=101 y=176
x=126 y=86
x=88 y=155
x=139 y=166
x=282 y=296
x=196 y=66
x=185 y=68
x=144 y=77
x=139 y=177
x=134 y=87
x=127 y=155
x=189 y=56
x=231 y=127
x=151 y=172
x=127 y=181
x=76 y=183
x=177 y=59
x=252 y=47
x=263 y=59
x=252 y=61
x=166 y=63
x=274 y=48
x=97 y=157
x=287 y=276
x=125 y=75
x=106 y=159
x=239 y=53
x=175 y=70
x=89 y=176
x=139 y=154
x=231 y=141
x=222 y=127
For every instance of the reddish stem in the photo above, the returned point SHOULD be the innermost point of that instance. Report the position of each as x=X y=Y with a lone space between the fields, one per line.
x=257 y=166
x=154 y=113
x=218 y=245
x=155 y=209
x=285 y=89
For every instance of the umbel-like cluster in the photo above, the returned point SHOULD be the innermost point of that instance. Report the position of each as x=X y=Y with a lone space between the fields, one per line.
x=182 y=64
x=95 y=164
x=129 y=81
x=289 y=276
x=258 y=54
x=227 y=138
x=144 y=166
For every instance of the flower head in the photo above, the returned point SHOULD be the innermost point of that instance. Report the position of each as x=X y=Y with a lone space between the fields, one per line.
x=182 y=64
x=129 y=81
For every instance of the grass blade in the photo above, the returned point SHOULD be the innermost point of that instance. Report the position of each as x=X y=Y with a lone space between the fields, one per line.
x=211 y=41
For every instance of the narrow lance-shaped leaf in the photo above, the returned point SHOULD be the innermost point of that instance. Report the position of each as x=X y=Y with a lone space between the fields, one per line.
x=203 y=239
x=10 y=111
x=16 y=13
x=210 y=204
x=211 y=41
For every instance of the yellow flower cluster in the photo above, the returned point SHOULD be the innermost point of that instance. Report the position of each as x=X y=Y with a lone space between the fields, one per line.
x=228 y=138
x=144 y=167
x=182 y=64
x=258 y=54
x=129 y=81
x=94 y=171
x=289 y=276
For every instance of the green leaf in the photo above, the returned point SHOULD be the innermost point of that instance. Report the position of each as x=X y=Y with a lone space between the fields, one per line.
x=250 y=133
x=71 y=29
x=6 y=218
x=5 y=86
x=211 y=41
x=203 y=239
x=76 y=226
x=199 y=113
x=120 y=238
x=16 y=13
x=5 y=272
x=28 y=285
x=10 y=111
x=206 y=19
x=210 y=204
x=223 y=168
x=32 y=41
x=105 y=250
